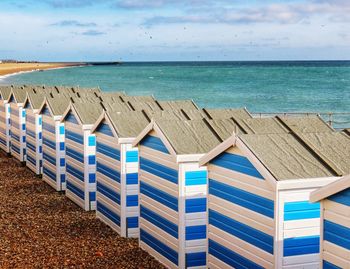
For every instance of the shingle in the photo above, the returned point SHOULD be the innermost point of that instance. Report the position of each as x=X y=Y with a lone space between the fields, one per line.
x=225 y=128
x=285 y=157
x=88 y=112
x=19 y=94
x=166 y=115
x=5 y=92
x=189 y=137
x=58 y=104
x=128 y=124
x=116 y=106
x=178 y=104
x=307 y=124
x=261 y=126
x=240 y=113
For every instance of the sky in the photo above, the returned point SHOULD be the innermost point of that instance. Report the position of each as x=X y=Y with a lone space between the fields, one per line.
x=174 y=30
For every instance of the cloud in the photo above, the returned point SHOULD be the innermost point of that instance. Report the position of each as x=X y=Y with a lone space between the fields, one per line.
x=73 y=23
x=72 y=3
x=93 y=33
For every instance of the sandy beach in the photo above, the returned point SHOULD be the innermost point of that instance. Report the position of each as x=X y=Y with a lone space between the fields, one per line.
x=12 y=68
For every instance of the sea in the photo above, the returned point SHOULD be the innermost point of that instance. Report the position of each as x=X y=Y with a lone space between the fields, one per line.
x=262 y=87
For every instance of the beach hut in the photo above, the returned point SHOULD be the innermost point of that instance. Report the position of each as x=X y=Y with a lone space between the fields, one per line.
x=117 y=170
x=34 y=148
x=80 y=158
x=259 y=187
x=53 y=140
x=5 y=121
x=335 y=223
x=173 y=190
x=18 y=124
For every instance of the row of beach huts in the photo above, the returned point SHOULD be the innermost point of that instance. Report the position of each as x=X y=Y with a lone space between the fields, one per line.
x=200 y=188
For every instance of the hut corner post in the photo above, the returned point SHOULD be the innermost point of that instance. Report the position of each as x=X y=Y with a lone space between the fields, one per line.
x=193 y=215
x=89 y=170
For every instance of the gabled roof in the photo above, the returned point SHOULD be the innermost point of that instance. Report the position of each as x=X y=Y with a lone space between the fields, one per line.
x=194 y=114
x=112 y=96
x=147 y=105
x=57 y=104
x=128 y=124
x=166 y=115
x=240 y=113
x=36 y=100
x=146 y=98
x=189 y=137
x=261 y=126
x=177 y=104
x=225 y=128
x=330 y=189
x=116 y=106
x=306 y=124
x=19 y=94
x=5 y=92
x=88 y=112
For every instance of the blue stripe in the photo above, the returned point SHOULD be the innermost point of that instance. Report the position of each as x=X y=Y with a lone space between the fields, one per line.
x=132 y=178
x=49 y=143
x=342 y=197
x=236 y=163
x=114 y=217
x=196 y=178
x=74 y=154
x=109 y=193
x=159 y=170
x=15 y=148
x=301 y=210
x=159 y=196
x=31 y=160
x=301 y=245
x=154 y=143
x=242 y=231
x=132 y=156
x=108 y=151
x=71 y=118
x=78 y=192
x=92 y=196
x=336 y=234
x=75 y=137
x=159 y=221
x=230 y=257
x=242 y=198
x=196 y=259
x=30 y=119
x=75 y=172
x=31 y=133
x=48 y=127
x=31 y=146
x=49 y=158
x=91 y=159
x=328 y=265
x=132 y=200
x=159 y=247
x=196 y=205
x=132 y=222
x=105 y=129
x=108 y=172
x=15 y=137
x=49 y=173
x=196 y=232
x=2 y=141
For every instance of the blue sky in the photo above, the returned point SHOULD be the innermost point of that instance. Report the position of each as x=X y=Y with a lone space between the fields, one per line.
x=160 y=30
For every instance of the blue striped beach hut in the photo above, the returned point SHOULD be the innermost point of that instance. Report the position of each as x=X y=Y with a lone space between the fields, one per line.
x=18 y=124
x=259 y=188
x=34 y=148
x=335 y=225
x=117 y=170
x=5 y=121
x=173 y=190
x=80 y=149
x=53 y=140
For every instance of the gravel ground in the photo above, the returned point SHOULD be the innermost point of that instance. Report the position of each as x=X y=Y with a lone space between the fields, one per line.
x=40 y=228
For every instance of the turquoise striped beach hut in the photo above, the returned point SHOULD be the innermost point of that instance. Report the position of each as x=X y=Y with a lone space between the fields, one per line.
x=335 y=216
x=117 y=170
x=18 y=123
x=5 y=121
x=53 y=140
x=34 y=148
x=173 y=190
x=80 y=152
x=259 y=188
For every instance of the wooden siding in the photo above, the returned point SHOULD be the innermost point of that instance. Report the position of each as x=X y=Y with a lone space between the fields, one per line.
x=34 y=141
x=241 y=214
x=53 y=147
x=80 y=164
x=336 y=230
x=18 y=132
x=5 y=125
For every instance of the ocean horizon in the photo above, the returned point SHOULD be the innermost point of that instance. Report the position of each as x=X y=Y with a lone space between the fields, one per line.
x=260 y=86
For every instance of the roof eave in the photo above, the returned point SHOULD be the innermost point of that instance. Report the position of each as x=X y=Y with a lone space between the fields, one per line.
x=185 y=158
x=305 y=183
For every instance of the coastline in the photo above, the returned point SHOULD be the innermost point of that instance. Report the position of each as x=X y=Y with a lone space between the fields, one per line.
x=22 y=68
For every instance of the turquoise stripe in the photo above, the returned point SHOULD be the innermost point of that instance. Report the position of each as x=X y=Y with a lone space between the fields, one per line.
x=301 y=210
x=196 y=178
